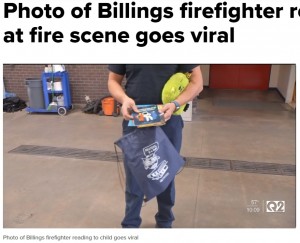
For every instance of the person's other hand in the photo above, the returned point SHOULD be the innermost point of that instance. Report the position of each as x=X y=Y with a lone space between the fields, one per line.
x=127 y=107
x=168 y=109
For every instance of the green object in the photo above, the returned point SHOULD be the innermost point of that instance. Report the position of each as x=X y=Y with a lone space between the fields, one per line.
x=173 y=88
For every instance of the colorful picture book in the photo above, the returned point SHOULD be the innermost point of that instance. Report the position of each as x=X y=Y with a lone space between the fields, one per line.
x=147 y=116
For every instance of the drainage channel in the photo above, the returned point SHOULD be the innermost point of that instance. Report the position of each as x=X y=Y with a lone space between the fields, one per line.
x=191 y=162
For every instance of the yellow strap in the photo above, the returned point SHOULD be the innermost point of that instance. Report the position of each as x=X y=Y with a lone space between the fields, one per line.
x=188 y=75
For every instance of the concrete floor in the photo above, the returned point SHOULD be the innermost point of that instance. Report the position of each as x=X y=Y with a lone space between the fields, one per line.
x=57 y=192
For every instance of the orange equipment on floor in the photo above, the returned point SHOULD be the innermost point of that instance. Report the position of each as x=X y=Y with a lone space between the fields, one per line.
x=110 y=107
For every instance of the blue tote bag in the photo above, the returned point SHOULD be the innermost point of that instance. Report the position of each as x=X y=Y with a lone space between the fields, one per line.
x=152 y=159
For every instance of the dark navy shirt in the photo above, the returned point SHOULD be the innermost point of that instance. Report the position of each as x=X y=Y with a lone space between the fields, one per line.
x=144 y=82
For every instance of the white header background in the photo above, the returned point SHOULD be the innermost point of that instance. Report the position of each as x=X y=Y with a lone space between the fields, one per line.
x=256 y=41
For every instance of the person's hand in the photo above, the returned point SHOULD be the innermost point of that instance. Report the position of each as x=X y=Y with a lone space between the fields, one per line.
x=168 y=109
x=127 y=107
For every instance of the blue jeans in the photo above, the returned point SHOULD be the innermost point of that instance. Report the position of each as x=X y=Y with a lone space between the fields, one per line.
x=134 y=196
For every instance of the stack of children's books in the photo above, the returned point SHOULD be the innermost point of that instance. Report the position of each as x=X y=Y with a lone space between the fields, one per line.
x=147 y=116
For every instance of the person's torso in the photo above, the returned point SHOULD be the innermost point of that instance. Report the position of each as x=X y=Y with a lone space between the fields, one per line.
x=146 y=81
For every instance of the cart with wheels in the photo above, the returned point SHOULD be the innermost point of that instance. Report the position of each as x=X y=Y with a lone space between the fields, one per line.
x=56 y=91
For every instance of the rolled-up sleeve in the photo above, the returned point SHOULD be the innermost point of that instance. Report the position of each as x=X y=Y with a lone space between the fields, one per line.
x=117 y=68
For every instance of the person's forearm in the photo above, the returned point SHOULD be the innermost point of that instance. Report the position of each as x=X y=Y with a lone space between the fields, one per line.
x=116 y=90
x=115 y=87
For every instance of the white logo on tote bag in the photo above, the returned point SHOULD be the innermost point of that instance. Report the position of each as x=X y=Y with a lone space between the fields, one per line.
x=151 y=161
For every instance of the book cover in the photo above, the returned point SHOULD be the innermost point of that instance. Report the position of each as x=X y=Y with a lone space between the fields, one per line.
x=147 y=116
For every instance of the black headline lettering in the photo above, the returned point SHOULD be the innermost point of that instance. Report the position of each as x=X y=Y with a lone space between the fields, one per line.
x=143 y=37
x=293 y=10
x=213 y=36
x=37 y=35
x=233 y=13
x=98 y=36
x=36 y=12
x=78 y=12
x=129 y=10
x=9 y=36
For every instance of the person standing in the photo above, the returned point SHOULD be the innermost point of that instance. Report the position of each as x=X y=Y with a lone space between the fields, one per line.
x=144 y=85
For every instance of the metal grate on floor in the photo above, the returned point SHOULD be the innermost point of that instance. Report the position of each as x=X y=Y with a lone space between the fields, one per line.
x=191 y=162
x=242 y=166
x=67 y=152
